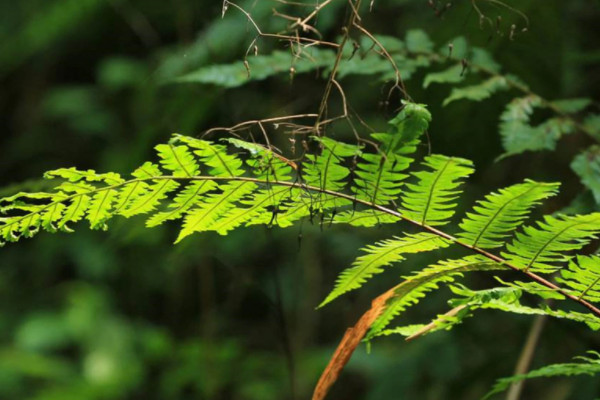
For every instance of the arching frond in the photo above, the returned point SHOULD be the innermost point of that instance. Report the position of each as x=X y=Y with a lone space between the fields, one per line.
x=415 y=287
x=499 y=214
x=431 y=200
x=379 y=255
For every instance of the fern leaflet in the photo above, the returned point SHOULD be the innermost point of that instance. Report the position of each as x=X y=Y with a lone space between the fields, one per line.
x=501 y=213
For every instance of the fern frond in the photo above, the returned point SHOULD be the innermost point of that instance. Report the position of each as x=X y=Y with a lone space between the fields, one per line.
x=431 y=200
x=540 y=248
x=589 y=365
x=382 y=254
x=215 y=156
x=265 y=163
x=213 y=207
x=150 y=198
x=415 y=287
x=366 y=218
x=379 y=176
x=479 y=91
x=177 y=159
x=508 y=300
x=327 y=170
x=503 y=299
x=583 y=277
x=187 y=198
x=494 y=218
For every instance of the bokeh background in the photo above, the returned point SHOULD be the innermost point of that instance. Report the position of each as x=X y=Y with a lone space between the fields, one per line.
x=124 y=314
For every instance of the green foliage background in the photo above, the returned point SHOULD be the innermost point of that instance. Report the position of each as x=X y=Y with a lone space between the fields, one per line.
x=125 y=315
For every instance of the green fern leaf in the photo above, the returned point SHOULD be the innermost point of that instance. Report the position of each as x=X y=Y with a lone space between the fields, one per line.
x=431 y=200
x=150 y=198
x=263 y=208
x=366 y=218
x=74 y=211
x=508 y=300
x=453 y=74
x=583 y=277
x=479 y=91
x=215 y=156
x=265 y=163
x=415 y=287
x=519 y=136
x=186 y=199
x=408 y=126
x=214 y=206
x=75 y=175
x=177 y=159
x=327 y=170
x=584 y=366
x=540 y=248
x=100 y=208
x=382 y=254
x=494 y=218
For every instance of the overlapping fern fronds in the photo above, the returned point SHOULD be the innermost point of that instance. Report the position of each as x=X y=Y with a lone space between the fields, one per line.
x=222 y=186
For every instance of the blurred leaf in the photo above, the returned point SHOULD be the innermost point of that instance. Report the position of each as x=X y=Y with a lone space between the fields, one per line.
x=479 y=91
x=571 y=106
x=42 y=332
x=417 y=41
x=587 y=166
x=121 y=73
x=451 y=75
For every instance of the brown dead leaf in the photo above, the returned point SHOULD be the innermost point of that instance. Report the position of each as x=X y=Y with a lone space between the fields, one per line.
x=349 y=342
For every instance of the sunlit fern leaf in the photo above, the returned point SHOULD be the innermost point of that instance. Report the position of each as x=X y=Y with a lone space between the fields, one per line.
x=75 y=211
x=214 y=155
x=132 y=191
x=541 y=248
x=379 y=177
x=432 y=199
x=52 y=215
x=500 y=213
x=583 y=277
x=589 y=365
x=319 y=208
x=177 y=158
x=151 y=198
x=187 y=198
x=326 y=170
x=263 y=208
x=264 y=162
x=379 y=255
x=415 y=287
x=74 y=175
x=366 y=218
x=213 y=207
x=100 y=208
